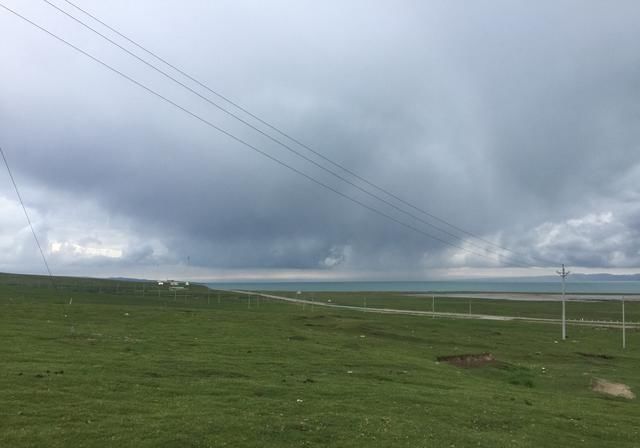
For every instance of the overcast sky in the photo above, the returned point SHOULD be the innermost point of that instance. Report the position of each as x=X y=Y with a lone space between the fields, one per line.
x=518 y=122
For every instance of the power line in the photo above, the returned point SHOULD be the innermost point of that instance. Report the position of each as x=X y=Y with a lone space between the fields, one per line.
x=245 y=143
x=289 y=137
x=24 y=209
x=275 y=140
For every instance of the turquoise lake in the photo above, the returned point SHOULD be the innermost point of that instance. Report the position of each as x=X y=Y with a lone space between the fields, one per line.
x=594 y=287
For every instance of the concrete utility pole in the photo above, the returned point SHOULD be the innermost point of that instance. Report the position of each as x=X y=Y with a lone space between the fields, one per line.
x=624 y=333
x=563 y=274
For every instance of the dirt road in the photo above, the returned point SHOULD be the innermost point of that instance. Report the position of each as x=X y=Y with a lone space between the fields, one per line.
x=592 y=323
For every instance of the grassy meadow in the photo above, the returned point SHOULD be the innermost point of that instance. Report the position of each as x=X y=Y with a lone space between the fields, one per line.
x=95 y=363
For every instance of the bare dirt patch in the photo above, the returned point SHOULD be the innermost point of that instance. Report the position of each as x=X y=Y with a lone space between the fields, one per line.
x=469 y=360
x=613 y=389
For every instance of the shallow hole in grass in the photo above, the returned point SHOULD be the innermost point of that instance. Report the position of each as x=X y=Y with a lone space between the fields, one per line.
x=468 y=360
x=595 y=355
x=297 y=338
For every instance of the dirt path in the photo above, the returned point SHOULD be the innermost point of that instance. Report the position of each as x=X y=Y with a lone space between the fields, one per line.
x=531 y=296
x=591 y=323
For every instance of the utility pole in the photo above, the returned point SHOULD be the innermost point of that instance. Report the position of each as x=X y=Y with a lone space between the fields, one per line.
x=624 y=334
x=563 y=274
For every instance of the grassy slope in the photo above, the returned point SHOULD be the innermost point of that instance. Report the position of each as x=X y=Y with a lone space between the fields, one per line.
x=199 y=374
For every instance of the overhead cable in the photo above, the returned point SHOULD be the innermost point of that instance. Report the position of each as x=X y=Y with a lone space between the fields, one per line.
x=249 y=145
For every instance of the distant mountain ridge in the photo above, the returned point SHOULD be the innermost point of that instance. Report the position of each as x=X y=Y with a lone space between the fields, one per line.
x=578 y=277
x=129 y=279
x=608 y=277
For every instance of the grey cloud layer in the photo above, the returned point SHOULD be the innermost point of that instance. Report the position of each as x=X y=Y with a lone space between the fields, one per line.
x=514 y=120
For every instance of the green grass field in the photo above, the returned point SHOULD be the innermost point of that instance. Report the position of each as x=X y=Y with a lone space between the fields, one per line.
x=198 y=369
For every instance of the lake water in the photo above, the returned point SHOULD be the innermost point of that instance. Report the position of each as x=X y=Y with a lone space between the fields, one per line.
x=615 y=287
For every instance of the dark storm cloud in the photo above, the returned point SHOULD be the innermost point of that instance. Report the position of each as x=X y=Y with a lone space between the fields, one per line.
x=516 y=121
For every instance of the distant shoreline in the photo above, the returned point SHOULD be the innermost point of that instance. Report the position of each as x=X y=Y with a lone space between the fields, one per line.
x=606 y=288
